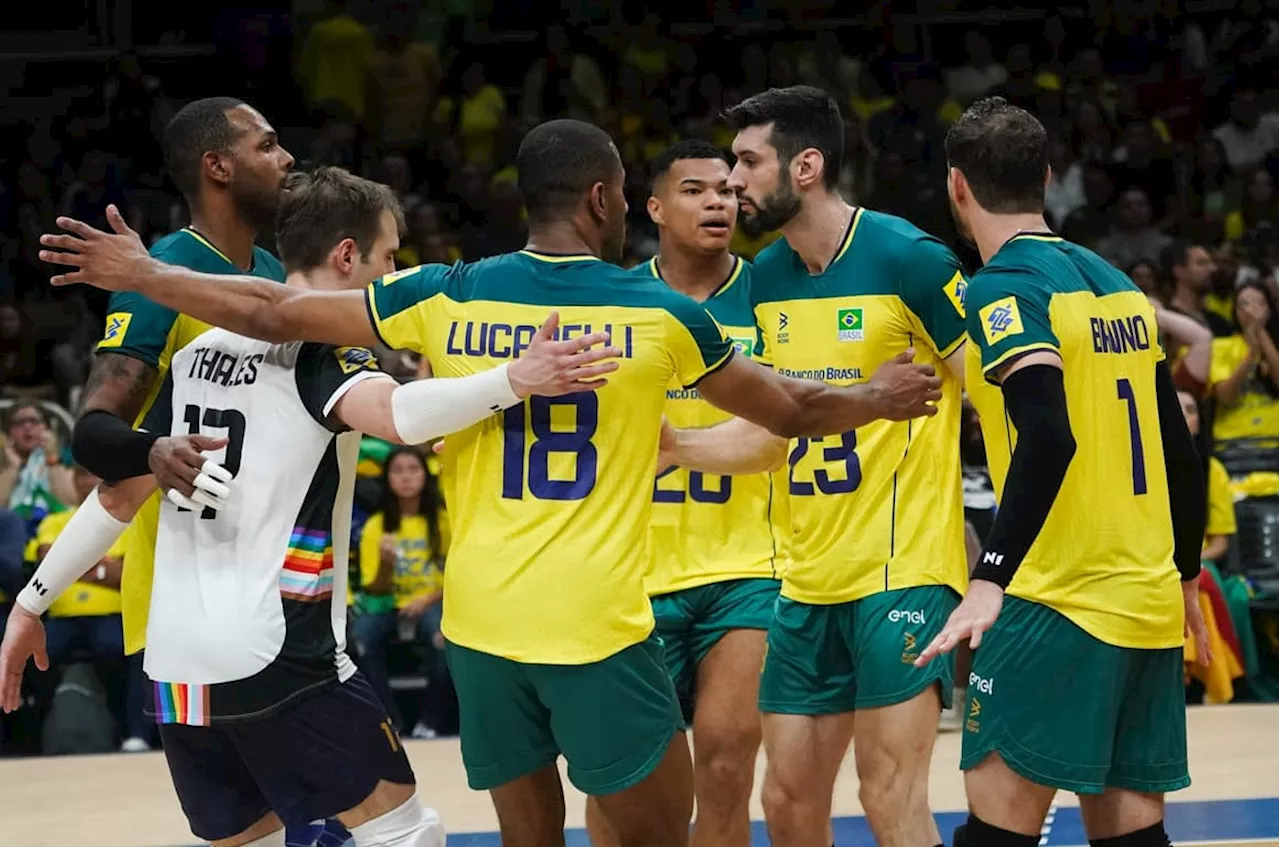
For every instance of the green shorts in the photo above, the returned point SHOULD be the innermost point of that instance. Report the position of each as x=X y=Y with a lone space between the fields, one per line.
x=692 y=621
x=824 y=660
x=612 y=720
x=1068 y=711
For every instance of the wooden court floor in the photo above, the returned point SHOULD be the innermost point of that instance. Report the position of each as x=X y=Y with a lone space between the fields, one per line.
x=127 y=801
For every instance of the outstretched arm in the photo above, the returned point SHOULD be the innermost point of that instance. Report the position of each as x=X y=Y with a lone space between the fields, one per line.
x=245 y=305
x=791 y=408
x=732 y=448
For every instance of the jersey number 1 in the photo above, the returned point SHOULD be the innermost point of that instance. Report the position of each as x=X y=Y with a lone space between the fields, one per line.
x=546 y=440
x=233 y=422
x=1124 y=391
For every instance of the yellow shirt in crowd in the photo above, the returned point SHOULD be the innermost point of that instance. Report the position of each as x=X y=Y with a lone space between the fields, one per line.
x=81 y=599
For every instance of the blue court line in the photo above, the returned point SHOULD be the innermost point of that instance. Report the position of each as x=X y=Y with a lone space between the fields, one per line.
x=1216 y=820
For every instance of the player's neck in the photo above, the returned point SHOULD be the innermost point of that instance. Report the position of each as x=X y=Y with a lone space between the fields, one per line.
x=226 y=231
x=693 y=272
x=1186 y=300
x=818 y=228
x=991 y=232
x=319 y=279
x=560 y=238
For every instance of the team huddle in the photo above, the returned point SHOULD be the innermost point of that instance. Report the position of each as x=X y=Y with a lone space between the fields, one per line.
x=697 y=506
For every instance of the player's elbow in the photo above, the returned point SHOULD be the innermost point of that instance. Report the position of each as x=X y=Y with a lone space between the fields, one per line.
x=773 y=453
x=268 y=324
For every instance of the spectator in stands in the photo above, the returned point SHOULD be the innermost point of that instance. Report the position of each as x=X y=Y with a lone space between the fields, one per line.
x=35 y=480
x=1248 y=136
x=1244 y=370
x=482 y=113
x=19 y=364
x=334 y=61
x=979 y=74
x=1065 y=192
x=404 y=79
x=86 y=618
x=1135 y=238
x=562 y=83
x=1221 y=522
x=401 y=556
x=1210 y=194
x=1257 y=206
x=1189 y=270
x=1091 y=222
x=1145 y=275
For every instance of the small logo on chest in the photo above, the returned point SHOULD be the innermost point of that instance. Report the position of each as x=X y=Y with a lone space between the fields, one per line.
x=849 y=325
x=784 y=335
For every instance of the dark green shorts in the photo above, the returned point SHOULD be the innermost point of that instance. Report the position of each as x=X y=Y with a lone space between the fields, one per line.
x=612 y=720
x=692 y=621
x=824 y=660
x=1066 y=710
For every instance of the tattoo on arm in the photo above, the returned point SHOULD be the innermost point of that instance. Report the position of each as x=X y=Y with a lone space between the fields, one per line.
x=118 y=384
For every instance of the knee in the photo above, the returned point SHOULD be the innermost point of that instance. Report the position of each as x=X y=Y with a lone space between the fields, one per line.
x=784 y=799
x=727 y=768
x=889 y=786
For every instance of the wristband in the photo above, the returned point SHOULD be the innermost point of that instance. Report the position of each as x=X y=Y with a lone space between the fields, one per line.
x=86 y=539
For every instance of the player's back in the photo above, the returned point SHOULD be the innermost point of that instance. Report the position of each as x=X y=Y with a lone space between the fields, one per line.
x=551 y=498
x=1105 y=555
x=144 y=330
x=252 y=595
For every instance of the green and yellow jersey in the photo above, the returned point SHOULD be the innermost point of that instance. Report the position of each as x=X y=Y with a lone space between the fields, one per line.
x=550 y=500
x=1104 y=557
x=141 y=329
x=878 y=508
x=707 y=528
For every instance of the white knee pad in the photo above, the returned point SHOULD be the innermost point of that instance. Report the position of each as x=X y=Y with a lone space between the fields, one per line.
x=275 y=839
x=409 y=825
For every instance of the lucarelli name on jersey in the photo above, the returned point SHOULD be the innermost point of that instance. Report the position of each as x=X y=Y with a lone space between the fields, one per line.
x=223 y=368
x=495 y=340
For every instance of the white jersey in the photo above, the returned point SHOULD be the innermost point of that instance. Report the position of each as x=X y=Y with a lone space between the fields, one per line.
x=248 y=604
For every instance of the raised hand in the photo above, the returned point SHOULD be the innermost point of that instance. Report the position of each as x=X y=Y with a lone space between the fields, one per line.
x=906 y=390
x=550 y=368
x=113 y=261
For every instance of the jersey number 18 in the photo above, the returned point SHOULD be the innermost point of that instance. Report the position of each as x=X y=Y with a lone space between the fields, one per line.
x=537 y=414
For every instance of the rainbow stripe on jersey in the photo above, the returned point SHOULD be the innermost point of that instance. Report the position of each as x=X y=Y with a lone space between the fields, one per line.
x=307 y=575
x=182 y=702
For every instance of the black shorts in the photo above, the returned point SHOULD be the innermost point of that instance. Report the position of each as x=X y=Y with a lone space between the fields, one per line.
x=315 y=759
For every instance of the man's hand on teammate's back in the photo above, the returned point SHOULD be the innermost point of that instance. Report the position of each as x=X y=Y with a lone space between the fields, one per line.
x=974 y=616
x=23 y=639
x=114 y=261
x=550 y=368
x=906 y=390
x=189 y=479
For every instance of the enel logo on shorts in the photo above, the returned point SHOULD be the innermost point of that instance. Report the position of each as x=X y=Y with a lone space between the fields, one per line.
x=982 y=684
x=897 y=615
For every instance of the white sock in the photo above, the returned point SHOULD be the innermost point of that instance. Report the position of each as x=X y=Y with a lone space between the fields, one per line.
x=408 y=825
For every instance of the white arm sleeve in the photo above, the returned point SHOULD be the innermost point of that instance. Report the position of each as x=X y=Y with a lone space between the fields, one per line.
x=82 y=543
x=429 y=408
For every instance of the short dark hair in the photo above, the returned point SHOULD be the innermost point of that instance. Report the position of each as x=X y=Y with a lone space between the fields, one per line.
x=1177 y=254
x=199 y=127
x=558 y=162
x=1003 y=152
x=689 y=148
x=321 y=208
x=802 y=117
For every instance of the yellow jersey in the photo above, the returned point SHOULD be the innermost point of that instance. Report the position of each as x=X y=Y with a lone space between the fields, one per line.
x=550 y=500
x=1104 y=557
x=417 y=572
x=708 y=528
x=141 y=329
x=1256 y=412
x=82 y=599
x=878 y=508
x=1221 y=519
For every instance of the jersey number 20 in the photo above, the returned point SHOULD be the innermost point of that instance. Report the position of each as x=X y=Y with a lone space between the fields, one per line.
x=233 y=422
x=537 y=413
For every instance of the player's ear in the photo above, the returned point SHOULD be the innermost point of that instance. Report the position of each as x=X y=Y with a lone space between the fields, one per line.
x=596 y=201
x=654 y=208
x=1048 y=175
x=345 y=255
x=956 y=184
x=217 y=166
x=807 y=167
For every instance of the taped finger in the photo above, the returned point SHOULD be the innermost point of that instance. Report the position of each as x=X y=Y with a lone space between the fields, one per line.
x=204 y=482
x=216 y=471
x=204 y=498
x=180 y=500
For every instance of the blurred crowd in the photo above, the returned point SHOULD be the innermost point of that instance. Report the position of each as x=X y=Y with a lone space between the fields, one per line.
x=1165 y=161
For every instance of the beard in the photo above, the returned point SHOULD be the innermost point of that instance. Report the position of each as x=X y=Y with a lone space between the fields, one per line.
x=962 y=227
x=256 y=203
x=773 y=212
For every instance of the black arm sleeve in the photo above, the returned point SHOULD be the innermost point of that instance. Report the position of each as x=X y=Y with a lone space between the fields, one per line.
x=1037 y=403
x=1188 y=506
x=108 y=447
